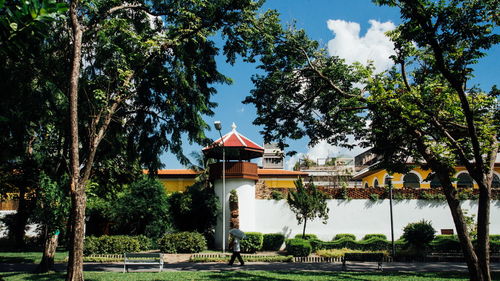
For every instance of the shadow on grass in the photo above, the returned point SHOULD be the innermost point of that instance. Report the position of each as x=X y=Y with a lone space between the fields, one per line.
x=18 y=276
x=17 y=260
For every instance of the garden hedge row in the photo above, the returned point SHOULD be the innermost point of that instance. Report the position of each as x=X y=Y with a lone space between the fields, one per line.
x=116 y=244
x=298 y=247
x=252 y=242
x=182 y=242
x=371 y=244
x=273 y=241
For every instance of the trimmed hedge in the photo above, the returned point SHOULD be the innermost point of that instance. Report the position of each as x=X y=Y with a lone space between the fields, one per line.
x=344 y=235
x=252 y=242
x=495 y=237
x=381 y=236
x=182 y=242
x=307 y=236
x=225 y=259
x=116 y=244
x=273 y=241
x=298 y=247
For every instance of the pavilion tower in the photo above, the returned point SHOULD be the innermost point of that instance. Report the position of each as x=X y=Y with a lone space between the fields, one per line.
x=234 y=152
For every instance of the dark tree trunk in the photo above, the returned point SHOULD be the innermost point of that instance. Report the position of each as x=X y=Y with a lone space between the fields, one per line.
x=77 y=188
x=304 y=229
x=483 y=225
x=21 y=219
x=49 y=252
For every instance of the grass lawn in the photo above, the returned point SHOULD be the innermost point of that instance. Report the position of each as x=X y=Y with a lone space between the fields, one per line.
x=29 y=257
x=247 y=275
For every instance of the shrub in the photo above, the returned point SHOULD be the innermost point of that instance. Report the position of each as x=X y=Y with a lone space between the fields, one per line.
x=338 y=253
x=117 y=244
x=374 y=244
x=495 y=246
x=182 y=242
x=374 y=197
x=419 y=234
x=345 y=242
x=252 y=242
x=298 y=247
x=368 y=236
x=445 y=244
x=273 y=241
x=345 y=235
x=276 y=195
x=495 y=237
x=145 y=243
x=307 y=236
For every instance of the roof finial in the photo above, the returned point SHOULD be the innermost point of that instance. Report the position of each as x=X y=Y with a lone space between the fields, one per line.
x=233 y=126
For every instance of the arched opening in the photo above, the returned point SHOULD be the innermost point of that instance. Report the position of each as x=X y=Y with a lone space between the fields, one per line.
x=496 y=182
x=464 y=180
x=411 y=180
x=366 y=185
x=375 y=183
x=435 y=183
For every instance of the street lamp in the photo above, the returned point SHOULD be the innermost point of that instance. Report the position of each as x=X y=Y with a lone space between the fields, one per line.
x=218 y=127
x=390 y=178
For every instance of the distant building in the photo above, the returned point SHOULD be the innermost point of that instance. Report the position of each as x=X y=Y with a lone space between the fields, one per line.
x=273 y=157
x=328 y=172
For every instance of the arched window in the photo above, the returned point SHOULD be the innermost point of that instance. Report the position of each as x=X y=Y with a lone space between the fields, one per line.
x=496 y=182
x=435 y=183
x=375 y=183
x=464 y=180
x=366 y=185
x=411 y=180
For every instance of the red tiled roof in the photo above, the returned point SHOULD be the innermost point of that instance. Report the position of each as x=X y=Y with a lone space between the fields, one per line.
x=235 y=139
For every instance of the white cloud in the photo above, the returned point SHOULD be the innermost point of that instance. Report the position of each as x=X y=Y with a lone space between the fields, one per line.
x=323 y=150
x=374 y=46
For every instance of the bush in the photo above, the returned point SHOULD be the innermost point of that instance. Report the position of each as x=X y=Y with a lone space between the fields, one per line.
x=495 y=246
x=445 y=244
x=345 y=242
x=117 y=244
x=374 y=244
x=276 y=195
x=338 y=253
x=273 y=241
x=368 y=236
x=182 y=242
x=298 y=247
x=344 y=235
x=307 y=236
x=145 y=243
x=419 y=234
x=252 y=242
x=495 y=237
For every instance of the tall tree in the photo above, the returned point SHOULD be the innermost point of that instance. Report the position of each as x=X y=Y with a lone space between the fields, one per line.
x=147 y=69
x=308 y=203
x=423 y=108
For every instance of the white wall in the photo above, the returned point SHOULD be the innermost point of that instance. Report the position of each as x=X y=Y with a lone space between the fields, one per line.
x=361 y=217
x=31 y=229
x=246 y=204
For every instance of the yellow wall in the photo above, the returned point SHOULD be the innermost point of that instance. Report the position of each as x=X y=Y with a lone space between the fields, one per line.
x=178 y=184
x=277 y=182
x=398 y=178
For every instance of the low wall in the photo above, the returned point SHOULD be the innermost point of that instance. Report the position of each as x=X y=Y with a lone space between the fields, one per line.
x=362 y=216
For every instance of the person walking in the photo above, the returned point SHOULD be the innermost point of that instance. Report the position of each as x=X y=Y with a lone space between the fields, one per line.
x=235 y=245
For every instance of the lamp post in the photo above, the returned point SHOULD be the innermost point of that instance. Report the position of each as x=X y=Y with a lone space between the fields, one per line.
x=218 y=127
x=390 y=178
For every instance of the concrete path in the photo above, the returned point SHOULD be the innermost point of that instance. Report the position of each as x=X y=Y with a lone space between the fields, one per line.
x=187 y=266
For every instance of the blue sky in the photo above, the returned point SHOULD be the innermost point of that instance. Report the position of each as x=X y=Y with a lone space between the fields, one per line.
x=335 y=24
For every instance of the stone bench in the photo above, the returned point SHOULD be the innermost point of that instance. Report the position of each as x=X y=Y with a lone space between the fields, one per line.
x=142 y=259
x=363 y=257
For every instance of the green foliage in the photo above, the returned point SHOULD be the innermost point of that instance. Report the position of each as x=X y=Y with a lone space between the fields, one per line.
x=431 y=196
x=248 y=258
x=298 y=247
x=419 y=234
x=339 y=253
x=252 y=242
x=273 y=241
x=374 y=197
x=307 y=203
x=344 y=235
x=117 y=244
x=445 y=244
x=372 y=244
x=182 y=242
x=368 y=236
x=142 y=209
x=277 y=195
x=52 y=204
x=495 y=237
x=307 y=236
x=196 y=209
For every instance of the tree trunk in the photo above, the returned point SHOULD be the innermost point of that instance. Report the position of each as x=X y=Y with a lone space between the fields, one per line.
x=304 y=229
x=21 y=219
x=49 y=251
x=483 y=230
x=77 y=188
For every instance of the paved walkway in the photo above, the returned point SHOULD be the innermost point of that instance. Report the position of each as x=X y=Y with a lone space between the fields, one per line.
x=187 y=266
